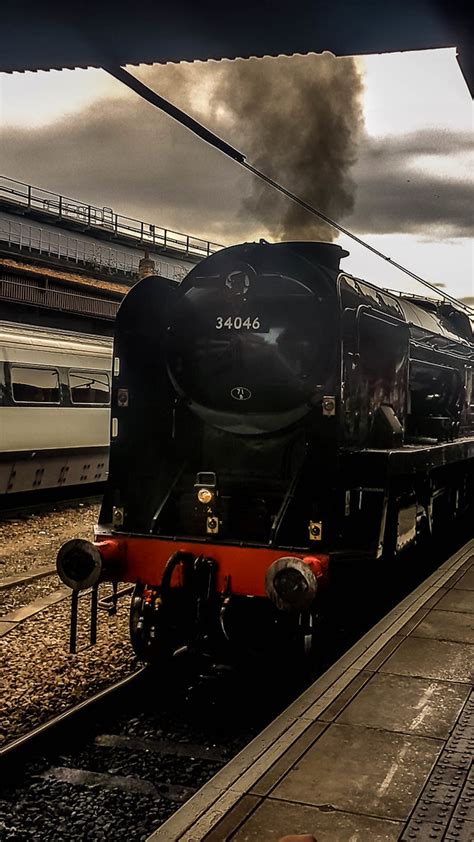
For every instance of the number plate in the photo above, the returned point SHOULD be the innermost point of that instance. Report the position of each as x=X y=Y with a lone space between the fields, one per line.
x=240 y=324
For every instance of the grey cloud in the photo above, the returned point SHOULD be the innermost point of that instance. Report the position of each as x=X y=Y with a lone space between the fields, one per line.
x=124 y=155
x=427 y=142
x=302 y=127
x=296 y=119
x=394 y=195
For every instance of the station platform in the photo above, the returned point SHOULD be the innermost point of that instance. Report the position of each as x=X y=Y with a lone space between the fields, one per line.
x=379 y=748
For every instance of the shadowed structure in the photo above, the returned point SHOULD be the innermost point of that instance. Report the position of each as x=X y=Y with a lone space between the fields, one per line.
x=56 y=35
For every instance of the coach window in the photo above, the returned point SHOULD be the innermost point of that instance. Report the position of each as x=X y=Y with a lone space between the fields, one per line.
x=35 y=385
x=89 y=387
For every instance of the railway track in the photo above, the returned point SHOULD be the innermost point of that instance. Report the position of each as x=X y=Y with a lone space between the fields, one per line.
x=29 y=541
x=16 y=580
x=38 y=737
x=117 y=765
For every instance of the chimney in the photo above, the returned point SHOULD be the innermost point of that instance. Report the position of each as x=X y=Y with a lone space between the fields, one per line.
x=146 y=267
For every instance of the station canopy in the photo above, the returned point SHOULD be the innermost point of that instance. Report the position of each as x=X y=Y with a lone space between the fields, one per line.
x=57 y=35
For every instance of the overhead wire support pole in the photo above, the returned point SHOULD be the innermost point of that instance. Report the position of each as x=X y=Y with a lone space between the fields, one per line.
x=214 y=140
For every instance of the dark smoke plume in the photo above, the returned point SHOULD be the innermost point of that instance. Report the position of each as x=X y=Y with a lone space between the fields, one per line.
x=298 y=120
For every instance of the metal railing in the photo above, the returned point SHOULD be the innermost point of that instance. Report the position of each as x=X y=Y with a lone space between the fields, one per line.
x=103 y=219
x=98 y=256
x=55 y=299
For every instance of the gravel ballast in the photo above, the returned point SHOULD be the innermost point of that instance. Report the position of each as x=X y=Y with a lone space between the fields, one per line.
x=88 y=787
x=39 y=677
x=42 y=679
x=33 y=540
x=19 y=595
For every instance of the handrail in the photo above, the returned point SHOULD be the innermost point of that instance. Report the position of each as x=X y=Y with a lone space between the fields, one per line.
x=99 y=256
x=57 y=299
x=35 y=198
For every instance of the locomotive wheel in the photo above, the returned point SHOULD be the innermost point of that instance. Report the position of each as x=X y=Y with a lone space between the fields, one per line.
x=257 y=633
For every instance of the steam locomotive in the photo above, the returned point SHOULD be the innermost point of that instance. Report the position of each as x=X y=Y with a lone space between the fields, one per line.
x=273 y=417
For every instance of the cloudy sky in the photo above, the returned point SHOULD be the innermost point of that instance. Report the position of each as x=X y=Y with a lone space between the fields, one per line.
x=383 y=144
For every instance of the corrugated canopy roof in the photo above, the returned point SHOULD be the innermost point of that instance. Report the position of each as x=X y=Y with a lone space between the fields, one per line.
x=44 y=36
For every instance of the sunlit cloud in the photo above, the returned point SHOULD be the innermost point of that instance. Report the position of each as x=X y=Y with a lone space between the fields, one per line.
x=83 y=134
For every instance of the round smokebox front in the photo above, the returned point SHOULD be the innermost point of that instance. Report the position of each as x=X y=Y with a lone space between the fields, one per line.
x=248 y=351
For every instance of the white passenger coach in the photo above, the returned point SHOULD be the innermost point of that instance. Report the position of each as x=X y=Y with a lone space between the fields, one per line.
x=54 y=408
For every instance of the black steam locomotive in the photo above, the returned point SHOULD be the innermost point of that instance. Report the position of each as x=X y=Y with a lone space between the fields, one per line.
x=272 y=418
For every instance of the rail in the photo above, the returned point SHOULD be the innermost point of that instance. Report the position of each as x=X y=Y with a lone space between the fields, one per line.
x=103 y=219
x=22 y=747
x=32 y=238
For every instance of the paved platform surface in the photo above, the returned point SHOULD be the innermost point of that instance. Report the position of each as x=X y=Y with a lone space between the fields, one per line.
x=379 y=748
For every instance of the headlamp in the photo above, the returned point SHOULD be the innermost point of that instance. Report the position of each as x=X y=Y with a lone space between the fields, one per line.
x=205 y=496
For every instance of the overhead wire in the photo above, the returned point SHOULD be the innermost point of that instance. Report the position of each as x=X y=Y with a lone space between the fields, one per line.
x=214 y=140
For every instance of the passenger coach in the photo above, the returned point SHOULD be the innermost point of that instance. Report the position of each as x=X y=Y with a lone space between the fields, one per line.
x=54 y=408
